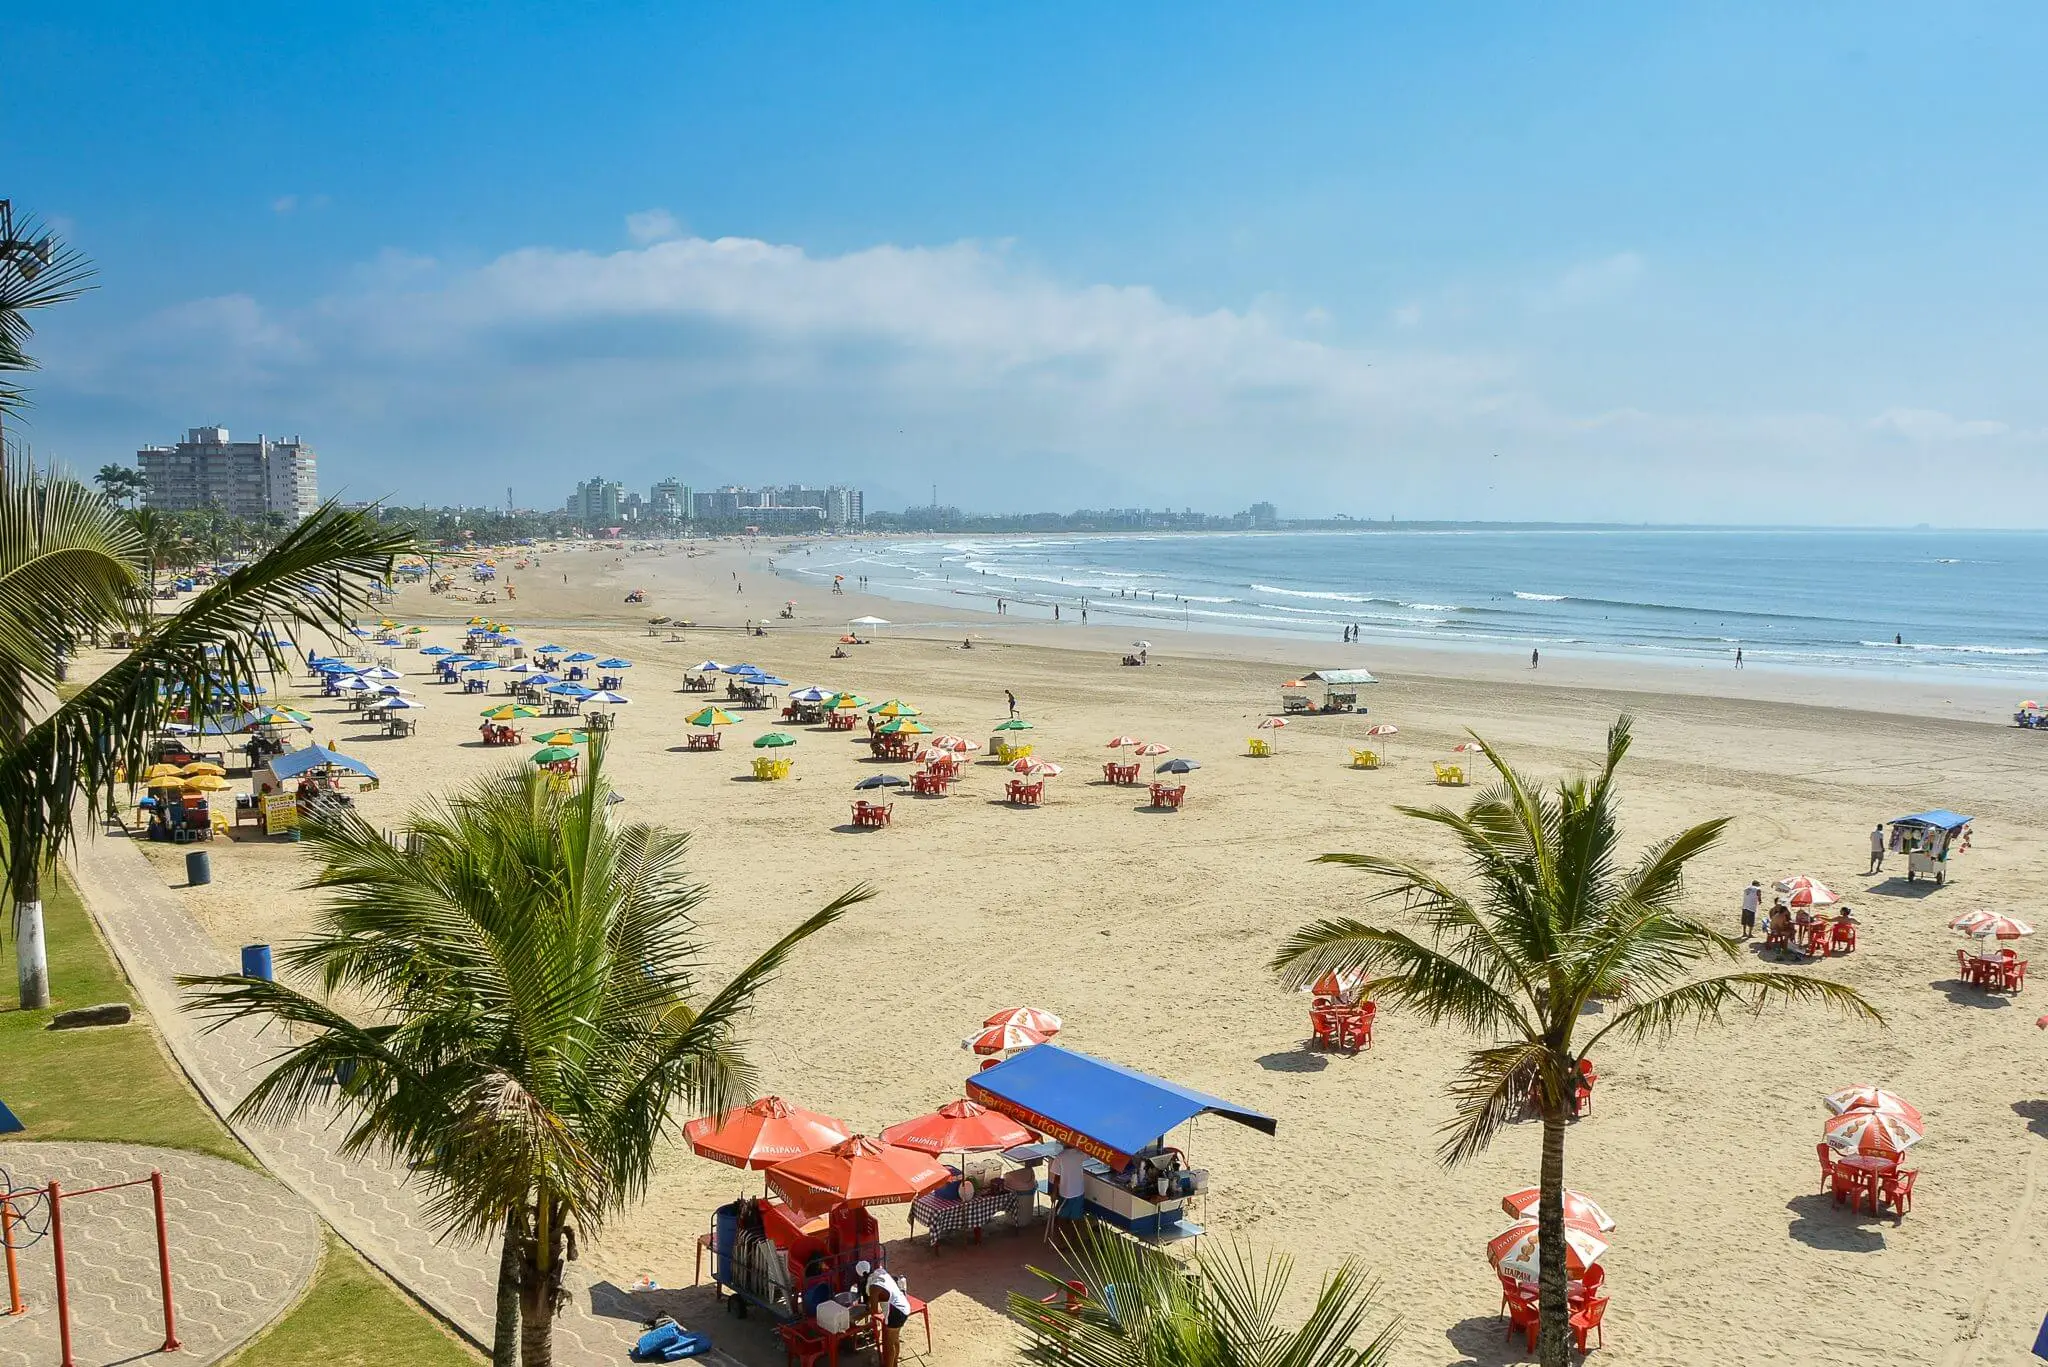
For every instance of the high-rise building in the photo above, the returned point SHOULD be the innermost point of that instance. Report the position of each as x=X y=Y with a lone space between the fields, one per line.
x=720 y=505
x=240 y=478
x=669 y=501
x=1265 y=517
x=843 y=507
x=596 y=500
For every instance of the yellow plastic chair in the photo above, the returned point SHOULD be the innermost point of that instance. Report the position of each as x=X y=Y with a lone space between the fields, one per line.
x=1451 y=775
x=764 y=768
x=1365 y=759
x=1259 y=747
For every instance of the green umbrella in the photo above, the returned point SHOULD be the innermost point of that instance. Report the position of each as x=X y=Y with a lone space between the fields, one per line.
x=905 y=726
x=563 y=737
x=844 y=702
x=1013 y=724
x=553 y=754
x=774 y=740
x=509 y=711
x=712 y=716
x=893 y=708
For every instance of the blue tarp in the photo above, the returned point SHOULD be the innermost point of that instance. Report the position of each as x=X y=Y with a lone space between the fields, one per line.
x=1941 y=819
x=1104 y=1109
x=295 y=762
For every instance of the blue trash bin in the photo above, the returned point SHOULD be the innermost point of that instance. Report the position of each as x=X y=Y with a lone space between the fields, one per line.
x=256 y=961
x=198 y=869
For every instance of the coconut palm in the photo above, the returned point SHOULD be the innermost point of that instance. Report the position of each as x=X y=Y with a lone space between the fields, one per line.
x=1555 y=921
x=1143 y=1308
x=534 y=1016
x=36 y=271
x=71 y=570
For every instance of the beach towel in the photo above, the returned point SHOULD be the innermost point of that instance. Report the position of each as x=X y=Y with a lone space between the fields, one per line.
x=668 y=1341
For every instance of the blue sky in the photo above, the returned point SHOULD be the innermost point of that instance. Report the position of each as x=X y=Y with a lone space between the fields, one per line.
x=1742 y=263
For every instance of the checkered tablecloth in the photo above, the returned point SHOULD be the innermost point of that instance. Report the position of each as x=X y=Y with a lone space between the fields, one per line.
x=942 y=1215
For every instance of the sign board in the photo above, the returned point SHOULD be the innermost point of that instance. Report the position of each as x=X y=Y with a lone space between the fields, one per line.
x=280 y=813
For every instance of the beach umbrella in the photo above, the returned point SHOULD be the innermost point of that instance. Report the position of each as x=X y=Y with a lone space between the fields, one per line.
x=510 y=641
x=161 y=771
x=523 y=667
x=808 y=695
x=1579 y=1209
x=712 y=716
x=958 y=1127
x=1141 y=645
x=1872 y=1132
x=763 y=1133
x=895 y=707
x=1990 y=925
x=774 y=740
x=435 y=650
x=553 y=754
x=279 y=716
x=874 y=781
x=548 y=650
x=580 y=657
x=202 y=766
x=475 y=665
x=205 y=783
x=381 y=673
x=397 y=705
x=393 y=691
x=845 y=702
x=1033 y=767
x=606 y=698
x=567 y=735
x=1383 y=729
x=510 y=712
x=1335 y=984
x=1467 y=747
x=1013 y=724
x=1178 y=766
x=1030 y=1017
x=541 y=680
x=415 y=631
x=170 y=782
x=1001 y=1039
x=741 y=668
x=355 y=683
x=569 y=690
x=1149 y=748
x=614 y=663
x=1513 y=1251
x=904 y=726
x=767 y=681
x=1123 y=743
x=860 y=1171
x=1870 y=1098
x=1803 y=891
x=710 y=667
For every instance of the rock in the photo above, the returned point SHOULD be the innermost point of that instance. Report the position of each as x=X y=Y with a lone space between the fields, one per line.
x=108 y=1013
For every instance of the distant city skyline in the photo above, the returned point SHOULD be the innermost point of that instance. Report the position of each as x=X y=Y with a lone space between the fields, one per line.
x=1673 y=264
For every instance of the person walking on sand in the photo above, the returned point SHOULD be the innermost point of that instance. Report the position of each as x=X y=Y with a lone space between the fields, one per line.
x=1013 y=703
x=1738 y=657
x=1876 y=850
x=1752 y=903
x=1535 y=659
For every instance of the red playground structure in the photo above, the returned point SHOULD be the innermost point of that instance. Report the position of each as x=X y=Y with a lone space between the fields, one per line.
x=18 y=1229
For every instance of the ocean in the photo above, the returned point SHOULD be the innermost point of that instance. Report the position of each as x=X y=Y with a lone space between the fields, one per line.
x=1959 y=603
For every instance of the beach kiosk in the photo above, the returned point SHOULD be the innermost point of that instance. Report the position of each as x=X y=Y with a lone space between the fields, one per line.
x=1119 y=1118
x=1929 y=840
x=1339 y=691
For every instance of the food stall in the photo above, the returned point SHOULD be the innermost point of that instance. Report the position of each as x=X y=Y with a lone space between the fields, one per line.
x=1339 y=691
x=1929 y=840
x=1119 y=1118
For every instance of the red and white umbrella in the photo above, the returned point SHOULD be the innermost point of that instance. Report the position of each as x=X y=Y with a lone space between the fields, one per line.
x=1001 y=1039
x=1383 y=729
x=1802 y=890
x=1513 y=1251
x=1030 y=1017
x=1579 y=1209
x=1467 y=747
x=1990 y=925
x=1033 y=767
x=1273 y=724
x=1151 y=747
x=1335 y=984
x=1871 y=1098
x=1872 y=1132
x=1124 y=743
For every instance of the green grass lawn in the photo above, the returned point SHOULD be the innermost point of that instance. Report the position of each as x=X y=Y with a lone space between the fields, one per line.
x=118 y=1084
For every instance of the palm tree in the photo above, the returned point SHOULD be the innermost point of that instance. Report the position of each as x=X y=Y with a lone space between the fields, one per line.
x=36 y=271
x=1143 y=1308
x=158 y=533
x=71 y=567
x=530 y=969
x=1557 y=921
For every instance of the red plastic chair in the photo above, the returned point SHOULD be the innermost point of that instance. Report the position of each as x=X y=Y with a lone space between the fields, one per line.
x=1523 y=1315
x=1827 y=1165
x=1075 y=1296
x=924 y=1312
x=1844 y=937
x=1897 y=1190
x=1512 y=1291
x=1355 y=1029
x=2016 y=975
x=1582 y=1102
x=1587 y=1322
x=1325 y=1028
x=804 y=1346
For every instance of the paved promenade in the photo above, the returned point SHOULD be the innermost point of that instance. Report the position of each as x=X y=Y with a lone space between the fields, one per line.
x=242 y=1249
x=368 y=1204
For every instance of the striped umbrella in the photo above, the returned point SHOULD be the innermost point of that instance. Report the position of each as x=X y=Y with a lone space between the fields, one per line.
x=1871 y=1098
x=1872 y=1132
x=1513 y=1251
x=1123 y=743
x=1579 y=1209
x=1468 y=747
x=1030 y=1017
x=712 y=716
x=1335 y=984
x=1272 y=723
x=1803 y=890
x=1152 y=747
x=904 y=726
x=895 y=707
x=1383 y=729
x=1001 y=1039
x=1032 y=767
x=1990 y=925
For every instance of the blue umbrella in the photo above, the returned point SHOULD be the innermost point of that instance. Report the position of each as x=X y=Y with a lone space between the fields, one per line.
x=606 y=699
x=334 y=667
x=711 y=667
x=768 y=681
x=1178 y=766
x=739 y=669
x=478 y=664
x=549 y=650
x=614 y=663
x=510 y=641
x=579 y=657
x=570 y=690
x=541 y=680
x=809 y=695
x=435 y=650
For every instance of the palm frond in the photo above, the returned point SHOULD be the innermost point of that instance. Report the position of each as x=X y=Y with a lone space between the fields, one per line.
x=1707 y=1000
x=1488 y=1092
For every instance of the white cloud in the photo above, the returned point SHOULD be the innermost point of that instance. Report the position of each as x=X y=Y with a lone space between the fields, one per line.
x=1933 y=425
x=1591 y=282
x=284 y=204
x=653 y=225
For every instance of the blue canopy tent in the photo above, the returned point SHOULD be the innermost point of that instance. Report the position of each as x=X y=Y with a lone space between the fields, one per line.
x=1104 y=1109
x=1940 y=819
x=1928 y=839
x=293 y=763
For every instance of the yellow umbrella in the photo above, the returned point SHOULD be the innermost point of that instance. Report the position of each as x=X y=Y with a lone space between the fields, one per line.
x=205 y=783
x=171 y=784
x=202 y=766
x=895 y=707
x=713 y=716
x=160 y=771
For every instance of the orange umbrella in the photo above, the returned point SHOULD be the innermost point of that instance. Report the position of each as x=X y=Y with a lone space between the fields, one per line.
x=958 y=1127
x=763 y=1133
x=856 y=1172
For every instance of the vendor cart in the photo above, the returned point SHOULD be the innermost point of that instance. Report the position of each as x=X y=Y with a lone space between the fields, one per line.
x=1930 y=840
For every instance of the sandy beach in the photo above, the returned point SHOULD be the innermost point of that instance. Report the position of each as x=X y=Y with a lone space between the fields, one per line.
x=1149 y=932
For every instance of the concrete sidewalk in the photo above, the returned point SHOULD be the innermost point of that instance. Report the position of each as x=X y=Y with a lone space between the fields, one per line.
x=368 y=1203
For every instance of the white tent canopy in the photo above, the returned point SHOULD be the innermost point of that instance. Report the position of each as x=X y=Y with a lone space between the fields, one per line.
x=868 y=622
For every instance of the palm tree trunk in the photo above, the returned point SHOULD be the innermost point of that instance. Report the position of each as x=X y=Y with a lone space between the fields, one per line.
x=31 y=964
x=505 y=1334
x=540 y=1284
x=1553 y=1347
